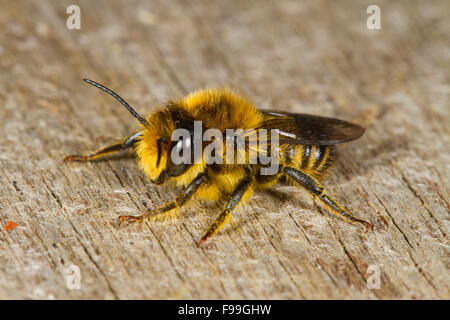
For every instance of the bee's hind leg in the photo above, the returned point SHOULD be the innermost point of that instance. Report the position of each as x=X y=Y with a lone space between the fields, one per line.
x=317 y=190
x=125 y=144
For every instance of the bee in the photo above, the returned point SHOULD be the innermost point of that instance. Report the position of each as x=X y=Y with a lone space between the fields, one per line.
x=305 y=150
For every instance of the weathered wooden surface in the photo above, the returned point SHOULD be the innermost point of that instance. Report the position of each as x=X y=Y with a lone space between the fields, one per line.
x=316 y=57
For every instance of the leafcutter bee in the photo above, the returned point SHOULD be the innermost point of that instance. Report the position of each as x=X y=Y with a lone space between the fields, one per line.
x=303 y=146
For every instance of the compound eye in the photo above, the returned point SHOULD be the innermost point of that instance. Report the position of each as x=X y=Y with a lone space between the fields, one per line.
x=182 y=150
x=183 y=147
x=179 y=147
x=175 y=170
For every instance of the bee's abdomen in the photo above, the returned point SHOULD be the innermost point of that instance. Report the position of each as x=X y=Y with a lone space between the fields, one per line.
x=316 y=158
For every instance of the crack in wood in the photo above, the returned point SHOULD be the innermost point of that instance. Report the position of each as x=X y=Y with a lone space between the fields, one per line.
x=85 y=249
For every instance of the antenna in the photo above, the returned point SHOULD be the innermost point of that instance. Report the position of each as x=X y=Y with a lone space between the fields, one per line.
x=118 y=98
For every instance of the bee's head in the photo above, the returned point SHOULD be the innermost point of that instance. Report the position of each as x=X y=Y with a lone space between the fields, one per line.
x=154 y=148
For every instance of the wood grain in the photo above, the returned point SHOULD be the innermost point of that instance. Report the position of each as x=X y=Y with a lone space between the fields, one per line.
x=315 y=57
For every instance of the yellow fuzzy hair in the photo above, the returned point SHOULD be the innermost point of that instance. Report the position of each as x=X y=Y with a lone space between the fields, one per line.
x=212 y=107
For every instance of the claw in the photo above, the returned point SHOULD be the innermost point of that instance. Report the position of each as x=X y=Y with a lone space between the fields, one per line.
x=368 y=226
x=201 y=242
x=123 y=219
x=74 y=158
x=204 y=238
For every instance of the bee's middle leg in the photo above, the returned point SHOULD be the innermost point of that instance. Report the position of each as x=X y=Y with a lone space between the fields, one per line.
x=236 y=197
x=181 y=199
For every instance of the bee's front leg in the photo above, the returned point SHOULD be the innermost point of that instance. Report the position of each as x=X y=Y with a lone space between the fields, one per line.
x=181 y=199
x=152 y=213
x=126 y=143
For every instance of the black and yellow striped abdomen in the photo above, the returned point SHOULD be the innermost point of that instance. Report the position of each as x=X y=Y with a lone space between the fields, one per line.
x=311 y=159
